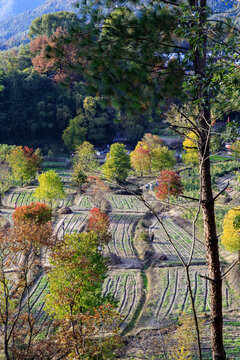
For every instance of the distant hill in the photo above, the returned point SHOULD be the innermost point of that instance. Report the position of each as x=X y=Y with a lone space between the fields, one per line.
x=17 y=15
x=9 y=8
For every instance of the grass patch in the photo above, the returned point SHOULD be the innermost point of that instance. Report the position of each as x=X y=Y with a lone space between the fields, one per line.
x=219 y=158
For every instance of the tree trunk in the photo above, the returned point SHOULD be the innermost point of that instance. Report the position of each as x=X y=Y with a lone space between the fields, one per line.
x=212 y=252
x=207 y=200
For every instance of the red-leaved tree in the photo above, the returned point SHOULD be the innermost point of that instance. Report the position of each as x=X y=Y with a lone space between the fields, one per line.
x=38 y=212
x=54 y=56
x=168 y=183
x=98 y=222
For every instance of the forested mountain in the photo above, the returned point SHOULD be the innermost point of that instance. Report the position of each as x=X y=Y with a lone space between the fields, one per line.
x=9 y=8
x=16 y=17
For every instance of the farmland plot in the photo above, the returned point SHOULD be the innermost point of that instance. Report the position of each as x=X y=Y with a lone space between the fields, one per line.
x=122 y=226
x=24 y=197
x=168 y=296
x=83 y=202
x=127 y=203
x=180 y=238
x=69 y=224
x=126 y=289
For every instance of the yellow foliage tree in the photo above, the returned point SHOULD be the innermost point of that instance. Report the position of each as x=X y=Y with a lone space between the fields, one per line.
x=190 y=146
x=231 y=231
x=186 y=338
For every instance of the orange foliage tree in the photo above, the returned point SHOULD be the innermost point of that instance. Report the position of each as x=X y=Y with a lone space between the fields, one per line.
x=54 y=56
x=168 y=183
x=141 y=159
x=23 y=334
x=99 y=224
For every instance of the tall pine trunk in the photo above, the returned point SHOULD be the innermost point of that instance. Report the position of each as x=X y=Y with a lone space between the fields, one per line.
x=207 y=200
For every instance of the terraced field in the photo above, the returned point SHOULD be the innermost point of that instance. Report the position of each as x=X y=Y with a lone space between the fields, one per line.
x=168 y=295
x=166 y=290
x=127 y=203
x=179 y=237
x=126 y=289
x=69 y=224
x=24 y=197
x=122 y=227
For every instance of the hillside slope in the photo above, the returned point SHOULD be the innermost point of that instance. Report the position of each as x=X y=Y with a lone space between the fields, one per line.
x=13 y=29
x=9 y=8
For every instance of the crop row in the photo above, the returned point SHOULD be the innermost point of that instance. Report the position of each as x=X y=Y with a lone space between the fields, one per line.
x=126 y=202
x=169 y=295
x=84 y=202
x=122 y=227
x=25 y=197
x=69 y=224
x=126 y=289
x=180 y=238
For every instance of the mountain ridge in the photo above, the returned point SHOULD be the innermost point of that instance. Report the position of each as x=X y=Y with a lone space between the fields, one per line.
x=13 y=29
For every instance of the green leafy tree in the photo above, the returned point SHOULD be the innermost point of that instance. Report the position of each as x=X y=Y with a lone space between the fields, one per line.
x=162 y=158
x=24 y=163
x=4 y=151
x=85 y=163
x=75 y=298
x=75 y=134
x=47 y=24
x=117 y=165
x=50 y=187
x=231 y=231
x=93 y=122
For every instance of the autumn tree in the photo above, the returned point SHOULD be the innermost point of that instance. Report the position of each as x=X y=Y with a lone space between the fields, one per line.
x=231 y=231
x=151 y=141
x=75 y=298
x=190 y=146
x=141 y=159
x=50 y=187
x=98 y=223
x=24 y=163
x=20 y=246
x=117 y=165
x=97 y=189
x=59 y=63
x=168 y=183
x=149 y=155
